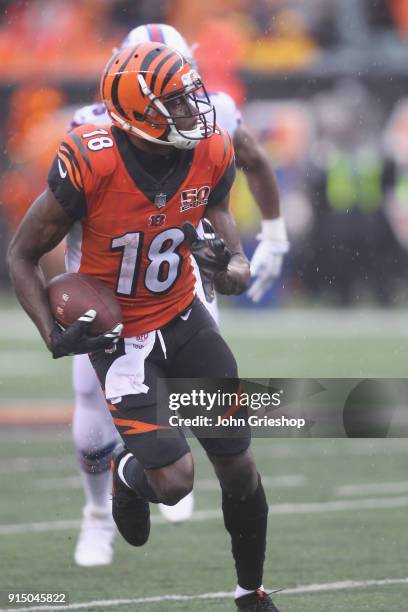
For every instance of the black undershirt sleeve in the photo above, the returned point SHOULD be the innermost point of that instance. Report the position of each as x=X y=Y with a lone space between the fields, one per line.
x=223 y=186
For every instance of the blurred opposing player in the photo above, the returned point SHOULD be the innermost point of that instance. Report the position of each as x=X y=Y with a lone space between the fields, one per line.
x=123 y=195
x=93 y=430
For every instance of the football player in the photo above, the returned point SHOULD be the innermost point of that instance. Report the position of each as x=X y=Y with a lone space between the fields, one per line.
x=122 y=195
x=93 y=431
x=266 y=262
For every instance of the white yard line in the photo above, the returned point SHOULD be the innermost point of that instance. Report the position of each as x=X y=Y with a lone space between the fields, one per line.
x=209 y=515
x=33 y=464
x=274 y=449
x=346 y=584
x=314 y=447
x=74 y=482
x=302 y=324
x=308 y=588
x=372 y=488
x=340 y=505
x=24 y=528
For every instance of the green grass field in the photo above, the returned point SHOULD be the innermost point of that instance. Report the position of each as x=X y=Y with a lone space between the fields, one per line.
x=292 y=343
x=338 y=524
x=340 y=537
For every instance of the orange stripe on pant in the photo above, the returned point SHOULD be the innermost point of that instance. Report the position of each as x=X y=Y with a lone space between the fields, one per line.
x=138 y=427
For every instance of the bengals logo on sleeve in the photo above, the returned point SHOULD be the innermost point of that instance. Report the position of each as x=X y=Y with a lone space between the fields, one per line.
x=78 y=163
x=65 y=180
x=68 y=166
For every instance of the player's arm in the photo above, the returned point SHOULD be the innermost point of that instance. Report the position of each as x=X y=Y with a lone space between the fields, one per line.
x=235 y=279
x=219 y=254
x=43 y=227
x=251 y=158
x=267 y=260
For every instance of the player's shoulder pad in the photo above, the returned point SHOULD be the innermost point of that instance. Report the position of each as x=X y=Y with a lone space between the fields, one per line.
x=221 y=98
x=94 y=148
x=220 y=147
x=92 y=113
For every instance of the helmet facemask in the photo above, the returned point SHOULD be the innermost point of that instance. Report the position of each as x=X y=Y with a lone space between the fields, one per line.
x=193 y=102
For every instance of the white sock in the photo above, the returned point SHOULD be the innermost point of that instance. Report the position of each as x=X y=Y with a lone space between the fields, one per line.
x=97 y=488
x=240 y=592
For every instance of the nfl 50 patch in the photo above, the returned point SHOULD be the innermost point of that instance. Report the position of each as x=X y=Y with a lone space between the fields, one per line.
x=194 y=197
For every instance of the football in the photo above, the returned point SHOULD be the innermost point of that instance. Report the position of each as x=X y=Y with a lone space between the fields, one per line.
x=70 y=295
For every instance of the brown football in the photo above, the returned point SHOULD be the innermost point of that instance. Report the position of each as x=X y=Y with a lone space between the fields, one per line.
x=70 y=295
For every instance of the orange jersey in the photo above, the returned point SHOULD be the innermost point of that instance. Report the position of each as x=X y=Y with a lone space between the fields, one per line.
x=128 y=224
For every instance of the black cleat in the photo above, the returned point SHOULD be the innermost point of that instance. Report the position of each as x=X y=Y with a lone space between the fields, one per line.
x=130 y=512
x=258 y=601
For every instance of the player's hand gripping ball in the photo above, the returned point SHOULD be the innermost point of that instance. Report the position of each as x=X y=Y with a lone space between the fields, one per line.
x=87 y=313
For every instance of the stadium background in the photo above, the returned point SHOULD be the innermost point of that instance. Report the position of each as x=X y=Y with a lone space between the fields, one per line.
x=323 y=84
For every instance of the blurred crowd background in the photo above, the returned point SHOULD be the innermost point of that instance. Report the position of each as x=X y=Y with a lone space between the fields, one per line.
x=323 y=83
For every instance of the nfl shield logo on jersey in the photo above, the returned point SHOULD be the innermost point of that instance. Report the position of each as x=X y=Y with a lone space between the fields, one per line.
x=160 y=200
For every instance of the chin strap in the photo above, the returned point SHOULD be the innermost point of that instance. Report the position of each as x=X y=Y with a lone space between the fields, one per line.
x=184 y=140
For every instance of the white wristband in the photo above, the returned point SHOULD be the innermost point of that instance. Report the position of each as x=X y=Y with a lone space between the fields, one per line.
x=273 y=229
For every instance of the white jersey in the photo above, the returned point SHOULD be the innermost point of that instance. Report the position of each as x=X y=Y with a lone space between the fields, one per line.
x=93 y=113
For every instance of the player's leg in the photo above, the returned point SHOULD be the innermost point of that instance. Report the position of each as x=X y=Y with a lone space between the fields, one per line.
x=135 y=485
x=244 y=506
x=95 y=439
x=154 y=467
x=245 y=511
x=184 y=509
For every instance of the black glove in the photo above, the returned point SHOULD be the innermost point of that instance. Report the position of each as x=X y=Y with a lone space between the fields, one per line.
x=74 y=340
x=210 y=251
